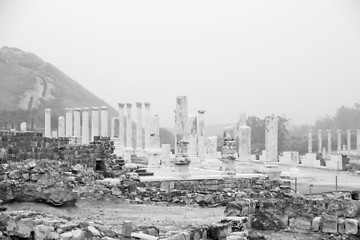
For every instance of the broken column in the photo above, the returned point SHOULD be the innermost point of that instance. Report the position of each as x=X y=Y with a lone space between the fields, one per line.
x=310 y=141
x=23 y=127
x=329 y=141
x=114 y=131
x=271 y=138
x=94 y=122
x=201 y=135
x=77 y=123
x=242 y=121
x=85 y=137
x=104 y=128
x=129 y=146
x=154 y=152
x=339 y=141
x=319 y=141
x=147 y=123
x=61 y=127
x=48 y=123
x=139 y=138
x=358 y=140
x=348 y=140
x=165 y=155
x=244 y=144
x=69 y=122
x=211 y=147
x=228 y=151
x=192 y=132
x=181 y=118
x=120 y=148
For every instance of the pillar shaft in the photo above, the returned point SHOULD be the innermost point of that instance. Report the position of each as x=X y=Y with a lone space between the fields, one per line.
x=338 y=141
x=48 y=123
x=358 y=140
x=181 y=116
x=77 y=122
x=85 y=137
x=129 y=144
x=121 y=124
x=329 y=141
x=201 y=134
x=61 y=127
x=139 y=141
x=310 y=141
x=104 y=122
x=94 y=122
x=348 y=131
x=155 y=132
x=320 y=141
x=69 y=122
x=147 y=123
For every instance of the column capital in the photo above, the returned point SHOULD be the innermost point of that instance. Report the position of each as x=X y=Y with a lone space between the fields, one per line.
x=77 y=109
x=128 y=105
x=310 y=130
x=201 y=111
x=47 y=110
x=104 y=108
x=95 y=109
x=138 y=104
x=121 y=105
x=329 y=131
x=319 y=131
x=348 y=130
x=339 y=130
x=147 y=104
x=68 y=109
x=85 y=109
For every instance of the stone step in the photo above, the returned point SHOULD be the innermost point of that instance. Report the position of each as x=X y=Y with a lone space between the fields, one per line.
x=146 y=174
x=139 y=170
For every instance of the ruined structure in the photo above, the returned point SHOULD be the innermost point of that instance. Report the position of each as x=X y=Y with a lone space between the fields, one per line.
x=48 y=123
x=192 y=133
x=94 y=122
x=244 y=140
x=201 y=135
x=271 y=138
x=228 y=151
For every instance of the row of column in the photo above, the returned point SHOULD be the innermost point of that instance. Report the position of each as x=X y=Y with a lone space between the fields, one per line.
x=76 y=123
x=339 y=146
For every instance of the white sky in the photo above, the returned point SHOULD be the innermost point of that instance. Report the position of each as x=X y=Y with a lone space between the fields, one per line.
x=298 y=58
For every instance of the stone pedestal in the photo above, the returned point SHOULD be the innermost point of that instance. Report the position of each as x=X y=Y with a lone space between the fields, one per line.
x=147 y=124
x=121 y=129
x=85 y=135
x=201 y=136
x=319 y=141
x=23 y=127
x=228 y=151
x=165 y=155
x=348 y=131
x=271 y=138
x=154 y=160
x=228 y=167
x=94 y=122
x=77 y=123
x=329 y=141
x=244 y=144
x=104 y=130
x=47 y=123
x=61 y=127
x=69 y=122
x=310 y=141
x=182 y=171
x=192 y=132
x=139 y=141
x=339 y=141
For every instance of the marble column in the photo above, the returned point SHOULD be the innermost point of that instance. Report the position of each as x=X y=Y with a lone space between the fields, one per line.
x=242 y=121
x=155 y=132
x=348 y=131
x=77 y=122
x=271 y=138
x=339 y=141
x=192 y=132
x=147 y=121
x=85 y=136
x=211 y=147
x=94 y=122
x=244 y=144
x=165 y=155
x=358 y=140
x=181 y=118
x=69 y=122
x=114 y=128
x=23 y=127
x=310 y=141
x=48 y=123
x=139 y=137
x=320 y=141
x=121 y=128
x=329 y=141
x=201 y=135
x=61 y=127
x=104 y=122
x=54 y=134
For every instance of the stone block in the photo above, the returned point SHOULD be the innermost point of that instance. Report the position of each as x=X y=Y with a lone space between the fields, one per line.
x=302 y=223
x=180 y=236
x=329 y=224
x=143 y=236
x=351 y=226
x=341 y=226
x=220 y=230
x=316 y=223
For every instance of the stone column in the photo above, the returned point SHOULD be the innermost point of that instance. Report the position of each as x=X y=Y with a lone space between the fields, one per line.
x=211 y=147
x=139 y=138
x=310 y=141
x=77 y=122
x=155 y=132
x=242 y=121
x=329 y=141
x=48 y=123
x=181 y=116
x=85 y=136
x=192 y=132
x=129 y=145
x=23 y=127
x=201 y=135
x=165 y=155
x=147 y=125
x=358 y=140
x=94 y=122
x=271 y=139
x=339 y=141
x=54 y=134
x=348 y=131
x=244 y=144
x=104 y=122
x=61 y=127
x=115 y=124
x=69 y=122
x=121 y=128
x=319 y=141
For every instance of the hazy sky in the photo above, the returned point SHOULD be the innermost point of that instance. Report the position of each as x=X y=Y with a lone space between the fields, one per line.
x=298 y=58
